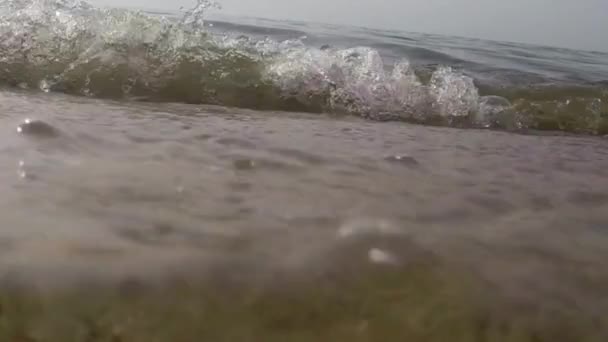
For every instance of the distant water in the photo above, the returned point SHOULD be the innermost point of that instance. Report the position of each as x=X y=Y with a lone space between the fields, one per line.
x=138 y=143
x=72 y=47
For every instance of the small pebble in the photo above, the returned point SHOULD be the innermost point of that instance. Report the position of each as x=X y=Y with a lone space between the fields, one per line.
x=378 y=256
x=37 y=128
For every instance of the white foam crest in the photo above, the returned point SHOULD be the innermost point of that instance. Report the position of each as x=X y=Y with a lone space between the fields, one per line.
x=77 y=45
x=49 y=24
x=357 y=80
x=454 y=94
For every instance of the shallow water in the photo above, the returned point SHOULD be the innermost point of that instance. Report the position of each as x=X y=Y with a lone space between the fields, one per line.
x=119 y=188
x=107 y=173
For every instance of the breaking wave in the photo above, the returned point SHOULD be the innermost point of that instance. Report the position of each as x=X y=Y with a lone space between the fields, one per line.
x=72 y=47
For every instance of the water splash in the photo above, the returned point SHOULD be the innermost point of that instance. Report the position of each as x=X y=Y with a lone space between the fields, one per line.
x=194 y=18
x=70 y=46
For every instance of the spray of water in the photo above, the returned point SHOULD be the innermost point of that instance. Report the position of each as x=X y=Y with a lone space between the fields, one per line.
x=70 y=46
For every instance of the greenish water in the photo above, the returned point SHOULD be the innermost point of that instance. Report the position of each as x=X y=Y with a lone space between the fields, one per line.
x=416 y=303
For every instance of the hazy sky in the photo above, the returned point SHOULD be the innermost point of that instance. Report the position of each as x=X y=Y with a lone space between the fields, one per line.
x=579 y=24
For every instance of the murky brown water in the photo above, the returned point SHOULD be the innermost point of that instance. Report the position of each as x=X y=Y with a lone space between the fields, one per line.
x=115 y=188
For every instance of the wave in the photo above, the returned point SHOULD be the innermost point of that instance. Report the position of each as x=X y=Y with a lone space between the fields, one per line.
x=72 y=47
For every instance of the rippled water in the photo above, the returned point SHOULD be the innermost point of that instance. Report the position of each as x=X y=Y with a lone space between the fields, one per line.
x=95 y=186
x=127 y=187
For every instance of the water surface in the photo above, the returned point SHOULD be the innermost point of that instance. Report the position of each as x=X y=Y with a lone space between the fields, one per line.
x=137 y=145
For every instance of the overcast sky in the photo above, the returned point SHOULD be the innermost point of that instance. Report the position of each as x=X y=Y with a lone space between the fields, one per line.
x=581 y=24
